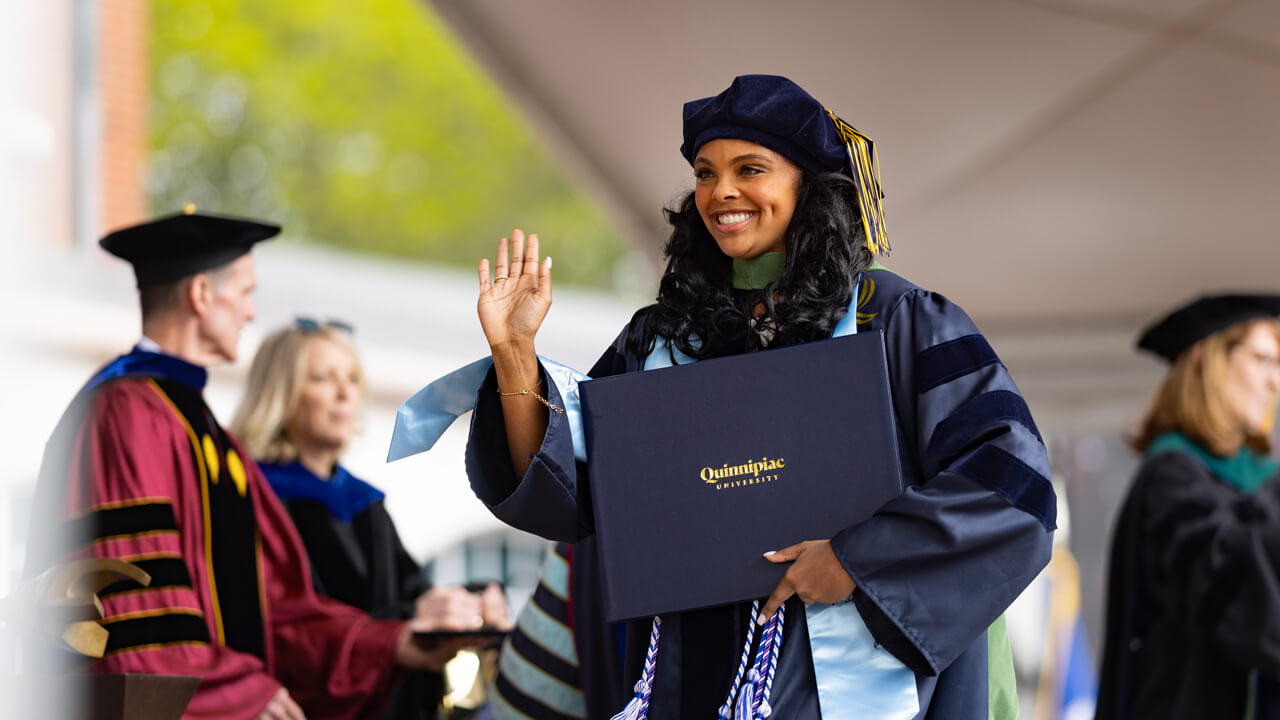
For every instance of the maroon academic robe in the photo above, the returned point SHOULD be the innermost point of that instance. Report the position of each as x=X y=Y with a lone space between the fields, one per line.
x=149 y=477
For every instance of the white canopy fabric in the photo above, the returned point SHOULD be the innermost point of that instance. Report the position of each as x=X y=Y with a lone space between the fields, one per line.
x=1079 y=163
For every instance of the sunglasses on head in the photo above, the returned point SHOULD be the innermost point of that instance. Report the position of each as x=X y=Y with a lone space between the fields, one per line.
x=307 y=324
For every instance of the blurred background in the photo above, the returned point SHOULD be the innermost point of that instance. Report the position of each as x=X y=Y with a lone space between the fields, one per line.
x=1063 y=170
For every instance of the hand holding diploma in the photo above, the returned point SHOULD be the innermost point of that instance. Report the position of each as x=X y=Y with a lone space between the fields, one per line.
x=449 y=608
x=815 y=575
x=460 y=616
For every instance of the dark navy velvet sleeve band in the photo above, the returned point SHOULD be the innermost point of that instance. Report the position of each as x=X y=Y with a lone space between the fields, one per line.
x=936 y=566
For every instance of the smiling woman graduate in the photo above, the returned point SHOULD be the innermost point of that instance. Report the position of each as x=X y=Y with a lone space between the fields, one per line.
x=1193 y=603
x=774 y=246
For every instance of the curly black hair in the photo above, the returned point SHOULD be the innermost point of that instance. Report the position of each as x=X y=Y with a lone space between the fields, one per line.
x=701 y=314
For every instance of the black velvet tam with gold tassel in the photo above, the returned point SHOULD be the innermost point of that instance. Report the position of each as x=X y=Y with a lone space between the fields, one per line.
x=777 y=113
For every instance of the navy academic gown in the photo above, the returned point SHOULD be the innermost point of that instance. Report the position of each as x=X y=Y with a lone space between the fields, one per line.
x=357 y=557
x=934 y=567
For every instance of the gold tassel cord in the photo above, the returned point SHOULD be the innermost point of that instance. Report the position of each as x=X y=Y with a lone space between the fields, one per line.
x=865 y=166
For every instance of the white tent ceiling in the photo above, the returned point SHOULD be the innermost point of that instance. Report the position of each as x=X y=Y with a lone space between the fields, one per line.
x=1080 y=163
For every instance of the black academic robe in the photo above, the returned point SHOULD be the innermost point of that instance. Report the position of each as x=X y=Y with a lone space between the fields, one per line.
x=357 y=557
x=1193 y=603
x=934 y=567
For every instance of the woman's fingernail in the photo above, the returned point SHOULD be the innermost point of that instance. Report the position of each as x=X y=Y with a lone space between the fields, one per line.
x=548 y=262
x=770 y=553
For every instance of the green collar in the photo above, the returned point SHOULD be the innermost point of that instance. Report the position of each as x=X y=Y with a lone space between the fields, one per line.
x=875 y=265
x=1246 y=471
x=757 y=272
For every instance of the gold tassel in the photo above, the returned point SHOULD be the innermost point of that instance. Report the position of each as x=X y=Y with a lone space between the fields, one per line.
x=866 y=174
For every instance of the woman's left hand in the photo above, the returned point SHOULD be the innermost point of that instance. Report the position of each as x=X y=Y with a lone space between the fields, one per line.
x=493 y=607
x=815 y=575
x=449 y=608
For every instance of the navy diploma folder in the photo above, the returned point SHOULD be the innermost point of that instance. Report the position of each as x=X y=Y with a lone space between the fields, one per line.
x=697 y=470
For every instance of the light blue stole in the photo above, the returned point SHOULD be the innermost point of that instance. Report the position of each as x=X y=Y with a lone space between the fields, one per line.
x=856 y=678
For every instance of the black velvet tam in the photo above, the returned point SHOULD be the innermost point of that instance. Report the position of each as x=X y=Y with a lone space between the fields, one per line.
x=177 y=246
x=771 y=111
x=1190 y=323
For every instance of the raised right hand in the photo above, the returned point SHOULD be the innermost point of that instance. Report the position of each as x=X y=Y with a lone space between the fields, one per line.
x=511 y=310
x=281 y=707
x=513 y=305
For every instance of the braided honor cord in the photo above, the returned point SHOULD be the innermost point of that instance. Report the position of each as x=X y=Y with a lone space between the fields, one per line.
x=726 y=710
x=774 y=643
x=753 y=702
x=638 y=707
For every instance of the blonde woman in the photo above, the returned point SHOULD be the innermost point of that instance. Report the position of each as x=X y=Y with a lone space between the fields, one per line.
x=300 y=410
x=1193 y=615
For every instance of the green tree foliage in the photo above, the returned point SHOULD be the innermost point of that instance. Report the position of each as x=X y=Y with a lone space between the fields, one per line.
x=357 y=123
